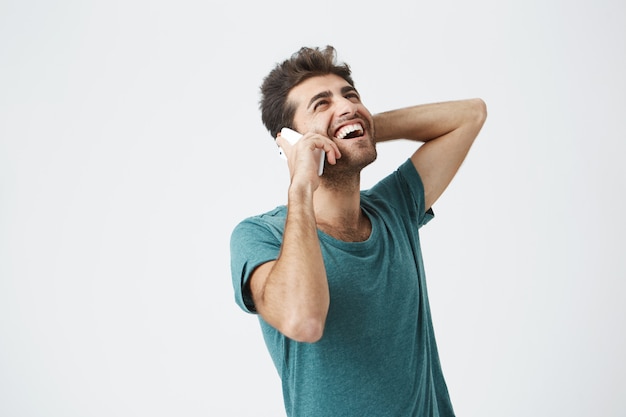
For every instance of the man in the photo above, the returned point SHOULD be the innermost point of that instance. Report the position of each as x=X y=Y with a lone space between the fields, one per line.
x=336 y=276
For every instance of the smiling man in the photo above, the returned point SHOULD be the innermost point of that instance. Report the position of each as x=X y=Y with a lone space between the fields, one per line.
x=336 y=276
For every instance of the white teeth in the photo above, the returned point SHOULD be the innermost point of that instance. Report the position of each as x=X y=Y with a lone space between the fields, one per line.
x=346 y=130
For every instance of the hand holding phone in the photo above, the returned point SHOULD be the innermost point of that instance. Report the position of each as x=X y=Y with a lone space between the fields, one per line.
x=292 y=137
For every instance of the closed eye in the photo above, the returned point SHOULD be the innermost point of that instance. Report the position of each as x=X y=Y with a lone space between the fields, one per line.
x=319 y=104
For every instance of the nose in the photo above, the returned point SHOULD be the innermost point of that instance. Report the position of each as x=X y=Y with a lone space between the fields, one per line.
x=346 y=108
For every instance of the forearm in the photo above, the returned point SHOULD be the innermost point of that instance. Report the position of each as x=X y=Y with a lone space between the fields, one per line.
x=296 y=296
x=426 y=122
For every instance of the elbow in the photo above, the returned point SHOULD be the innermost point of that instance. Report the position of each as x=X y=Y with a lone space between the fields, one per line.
x=480 y=111
x=308 y=330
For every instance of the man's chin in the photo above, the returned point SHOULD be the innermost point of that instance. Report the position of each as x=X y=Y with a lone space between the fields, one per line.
x=353 y=163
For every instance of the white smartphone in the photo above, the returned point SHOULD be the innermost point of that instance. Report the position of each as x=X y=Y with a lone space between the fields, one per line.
x=292 y=137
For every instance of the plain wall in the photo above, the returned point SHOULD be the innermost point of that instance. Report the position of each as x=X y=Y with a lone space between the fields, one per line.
x=131 y=145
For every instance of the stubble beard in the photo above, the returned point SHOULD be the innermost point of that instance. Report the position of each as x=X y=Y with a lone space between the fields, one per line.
x=346 y=173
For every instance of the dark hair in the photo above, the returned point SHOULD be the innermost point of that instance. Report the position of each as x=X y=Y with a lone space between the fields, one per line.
x=276 y=113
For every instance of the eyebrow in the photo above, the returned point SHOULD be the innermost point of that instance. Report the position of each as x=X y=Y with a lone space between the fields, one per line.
x=323 y=94
x=328 y=93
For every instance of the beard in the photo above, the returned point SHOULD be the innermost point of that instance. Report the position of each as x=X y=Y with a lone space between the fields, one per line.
x=346 y=173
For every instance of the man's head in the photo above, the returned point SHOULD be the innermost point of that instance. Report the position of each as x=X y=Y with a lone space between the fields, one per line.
x=329 y=106
x=276 y=111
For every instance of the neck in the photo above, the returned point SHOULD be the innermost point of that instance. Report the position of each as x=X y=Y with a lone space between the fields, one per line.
x=338 y=211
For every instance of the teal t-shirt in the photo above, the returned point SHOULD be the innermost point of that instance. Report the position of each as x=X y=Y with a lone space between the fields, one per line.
x=378 y=355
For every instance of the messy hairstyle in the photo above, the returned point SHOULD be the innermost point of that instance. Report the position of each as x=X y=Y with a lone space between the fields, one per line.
x=276 y=112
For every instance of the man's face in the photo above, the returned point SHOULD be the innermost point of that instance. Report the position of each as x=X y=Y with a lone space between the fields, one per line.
x=330 y=106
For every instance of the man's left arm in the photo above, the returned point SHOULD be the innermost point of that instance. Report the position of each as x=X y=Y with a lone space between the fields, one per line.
x=448 y=130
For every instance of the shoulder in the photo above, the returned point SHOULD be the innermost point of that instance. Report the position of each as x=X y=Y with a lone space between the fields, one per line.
x=401 y=185
x=275 y=216
x=402 y=191
x=254 y=227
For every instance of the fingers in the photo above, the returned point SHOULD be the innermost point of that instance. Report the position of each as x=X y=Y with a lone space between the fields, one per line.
x=332 y=152
x=313 y=141
x=326 y=145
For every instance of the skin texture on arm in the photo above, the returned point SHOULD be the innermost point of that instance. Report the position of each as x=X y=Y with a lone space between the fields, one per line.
x=448 y=130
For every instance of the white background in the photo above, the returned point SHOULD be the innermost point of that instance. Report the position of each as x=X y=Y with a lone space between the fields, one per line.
x=131 y=144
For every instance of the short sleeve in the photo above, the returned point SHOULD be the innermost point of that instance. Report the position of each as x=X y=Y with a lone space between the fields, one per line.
x=416 y=187
x=252 y=244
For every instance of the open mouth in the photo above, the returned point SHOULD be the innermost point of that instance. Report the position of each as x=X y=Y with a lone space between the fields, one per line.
x=352 y=131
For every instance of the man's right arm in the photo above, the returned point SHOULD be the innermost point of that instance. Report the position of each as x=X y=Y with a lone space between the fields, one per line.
x=291 y=293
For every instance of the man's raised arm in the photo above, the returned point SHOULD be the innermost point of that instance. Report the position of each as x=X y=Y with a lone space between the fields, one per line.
x=448 y=130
